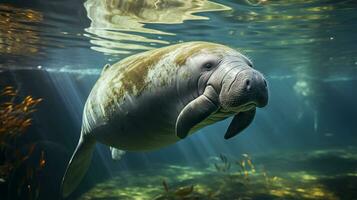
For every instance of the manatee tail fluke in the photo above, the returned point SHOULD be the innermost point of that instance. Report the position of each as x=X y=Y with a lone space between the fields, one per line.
x=78 y=165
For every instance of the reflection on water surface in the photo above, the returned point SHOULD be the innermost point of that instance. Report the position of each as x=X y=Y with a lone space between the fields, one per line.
x=17 y=35
x=116 y=23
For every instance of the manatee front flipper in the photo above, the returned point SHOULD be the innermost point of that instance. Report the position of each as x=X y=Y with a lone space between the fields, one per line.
x=239 y=123
x=193 y=113
x=78 y=165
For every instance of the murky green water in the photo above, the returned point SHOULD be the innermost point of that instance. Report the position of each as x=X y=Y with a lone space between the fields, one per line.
x=301 y=146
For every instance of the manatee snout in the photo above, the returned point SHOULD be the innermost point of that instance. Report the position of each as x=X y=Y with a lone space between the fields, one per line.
x=243 y=90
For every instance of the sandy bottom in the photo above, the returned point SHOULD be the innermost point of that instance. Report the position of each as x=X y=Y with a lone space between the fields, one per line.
x=316 y=174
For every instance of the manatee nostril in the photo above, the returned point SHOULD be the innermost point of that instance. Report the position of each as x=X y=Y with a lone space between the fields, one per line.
x=265 y=83
x=247 y=84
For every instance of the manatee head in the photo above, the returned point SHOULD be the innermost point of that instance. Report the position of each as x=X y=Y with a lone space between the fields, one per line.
x=228 y=78
x=239 y=85
x=227 y=84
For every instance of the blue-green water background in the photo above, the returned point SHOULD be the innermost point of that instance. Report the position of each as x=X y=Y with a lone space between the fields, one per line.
x=306 y=49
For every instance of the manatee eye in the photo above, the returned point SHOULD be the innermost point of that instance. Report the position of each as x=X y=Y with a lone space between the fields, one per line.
x=208 y=65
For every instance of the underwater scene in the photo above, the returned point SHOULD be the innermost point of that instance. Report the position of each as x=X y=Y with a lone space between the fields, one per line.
x=178 y=99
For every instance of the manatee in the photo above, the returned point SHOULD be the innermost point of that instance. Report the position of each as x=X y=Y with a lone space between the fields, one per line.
x=155 y=98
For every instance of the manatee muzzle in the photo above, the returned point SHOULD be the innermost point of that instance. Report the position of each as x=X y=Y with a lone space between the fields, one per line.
x=243 y=90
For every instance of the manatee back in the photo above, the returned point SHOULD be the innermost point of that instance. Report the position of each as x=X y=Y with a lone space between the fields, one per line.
x=126 y=81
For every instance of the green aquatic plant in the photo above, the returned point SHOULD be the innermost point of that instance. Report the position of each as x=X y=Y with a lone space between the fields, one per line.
x=224 y=166
x=15 y=118
x=185 y=192
x=246 y=166
x=14 y=114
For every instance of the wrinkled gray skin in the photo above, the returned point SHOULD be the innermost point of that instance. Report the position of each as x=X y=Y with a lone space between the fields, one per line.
x=231 y=87
x=207 y=89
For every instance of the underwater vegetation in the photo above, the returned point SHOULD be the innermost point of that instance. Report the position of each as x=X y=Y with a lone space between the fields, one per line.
x=312 y=174
x=14 y=114
x=245 y=167
x=225 y=166
x=15 y=118
x=185 y=192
